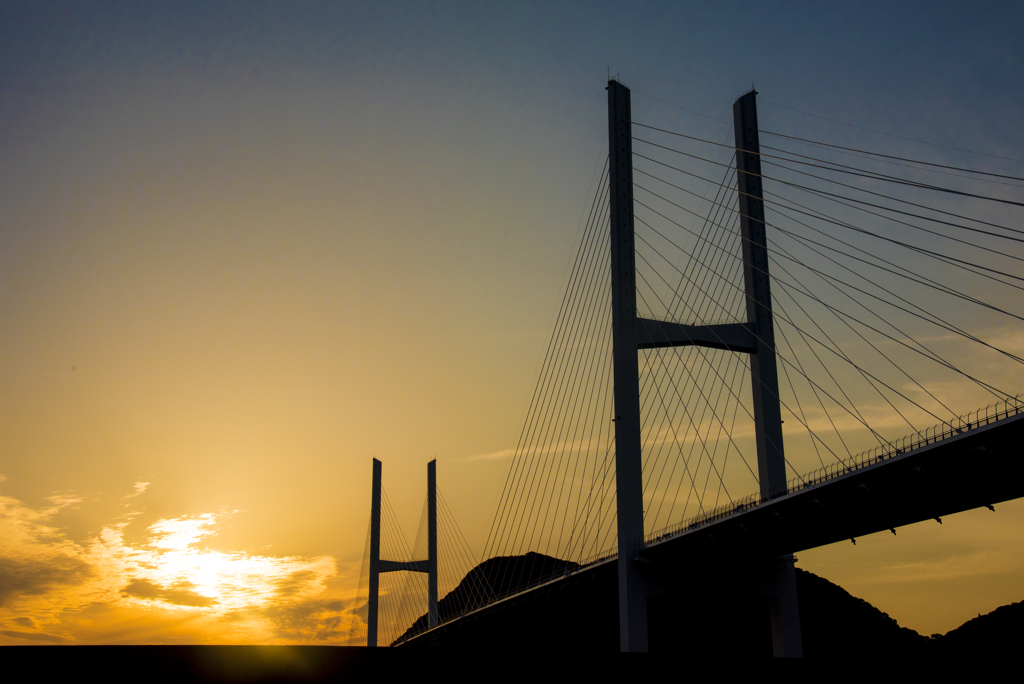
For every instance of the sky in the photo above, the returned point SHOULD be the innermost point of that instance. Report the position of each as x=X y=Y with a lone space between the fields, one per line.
x=247 y=247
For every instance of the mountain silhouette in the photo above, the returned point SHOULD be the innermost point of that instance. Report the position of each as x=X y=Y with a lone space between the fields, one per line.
x=836 y=625
x=580 y=614
x=493 y=579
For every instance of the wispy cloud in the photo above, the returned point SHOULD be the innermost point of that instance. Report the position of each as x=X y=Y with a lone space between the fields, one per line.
x=140 y=488
x=494 y=455
x=36 y=637
x=180 y=593
x=558 y=447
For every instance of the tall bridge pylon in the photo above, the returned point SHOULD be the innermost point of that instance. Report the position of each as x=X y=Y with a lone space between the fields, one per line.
x=377 y=565
x=841 y=336
x=630 y=333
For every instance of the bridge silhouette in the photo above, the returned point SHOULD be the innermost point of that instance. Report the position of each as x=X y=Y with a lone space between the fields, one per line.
x=642 y=421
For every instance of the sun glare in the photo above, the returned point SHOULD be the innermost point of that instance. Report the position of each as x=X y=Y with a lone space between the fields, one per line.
x=172 y=588
x=173 y=571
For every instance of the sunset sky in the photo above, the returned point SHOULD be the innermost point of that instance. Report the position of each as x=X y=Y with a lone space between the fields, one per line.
x=247 y=247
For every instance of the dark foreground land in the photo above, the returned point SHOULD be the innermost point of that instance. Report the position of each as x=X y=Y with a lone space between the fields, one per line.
x=342 y=663
x=350 y=664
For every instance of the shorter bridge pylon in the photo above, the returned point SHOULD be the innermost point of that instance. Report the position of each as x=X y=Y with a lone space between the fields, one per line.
x=377 y=565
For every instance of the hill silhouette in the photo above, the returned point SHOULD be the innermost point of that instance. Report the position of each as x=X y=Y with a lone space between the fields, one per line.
x=580 y=614
x=995 y=636
x=493 y=579
x=837 y=624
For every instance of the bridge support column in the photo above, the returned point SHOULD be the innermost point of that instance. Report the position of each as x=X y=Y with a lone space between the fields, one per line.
x=432 y=614
x=378 y=566
x=787 y=639
x=374 y=590
x=771 y=460
x=755 y=337
x=633 y=590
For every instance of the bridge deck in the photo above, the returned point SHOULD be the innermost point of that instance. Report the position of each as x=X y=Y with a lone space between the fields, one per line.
x=980 y=466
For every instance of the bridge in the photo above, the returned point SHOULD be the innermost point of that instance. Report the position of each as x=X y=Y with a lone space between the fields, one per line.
x=852 y=291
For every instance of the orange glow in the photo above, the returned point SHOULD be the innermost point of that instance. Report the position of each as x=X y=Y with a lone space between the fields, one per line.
x=65 y=592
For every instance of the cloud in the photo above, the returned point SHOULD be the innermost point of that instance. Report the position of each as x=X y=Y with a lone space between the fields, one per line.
x=564 y=446
x=36 y=636
x=60 y=501
x=171 y=588
x=504 y=453
x=295 y=583
x=36 y=576
x=35 y=559
x=139 y=487
x=316 y=620
x=180 y=594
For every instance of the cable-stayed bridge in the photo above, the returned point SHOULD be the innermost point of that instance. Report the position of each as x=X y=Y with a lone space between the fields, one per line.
x=768 y=343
